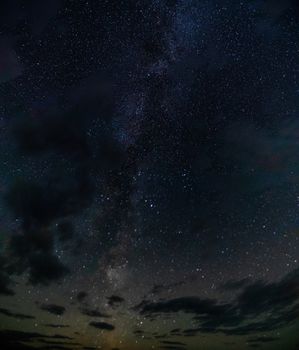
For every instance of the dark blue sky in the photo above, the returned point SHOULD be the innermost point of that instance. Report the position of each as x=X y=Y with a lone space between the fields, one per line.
x=149 y=174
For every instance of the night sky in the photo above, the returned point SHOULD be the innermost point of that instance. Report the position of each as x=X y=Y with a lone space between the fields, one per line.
x=149 y=174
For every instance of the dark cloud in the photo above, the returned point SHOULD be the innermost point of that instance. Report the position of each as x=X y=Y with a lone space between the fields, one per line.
x=53 y=347
x=160 y=288
x=190 y=332
x=12 y=339
x=20 y=316
x=45 y=268
x=4 y=285
x=65 y=230
x=59 y=343
x=59 y=336
x=102 y=325
x=67 y=132
x=264 y=297
x=5 y=281
x=268 y=306
x=81 y=296
x=38 y=205
x=45 y=208
x=53 y=309
x=157 y=289
x=115 y=300
x=233 y=285
x=52 y=325
x=192 y=305
x=93 y=313
x=161 y=336
x=63 y=133
x=265 y=339
x=169 y=342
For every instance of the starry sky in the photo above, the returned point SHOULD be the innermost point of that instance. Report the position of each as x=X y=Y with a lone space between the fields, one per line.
x=149 y=174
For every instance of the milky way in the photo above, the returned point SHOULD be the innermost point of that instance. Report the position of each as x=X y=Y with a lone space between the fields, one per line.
x=150 y=178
